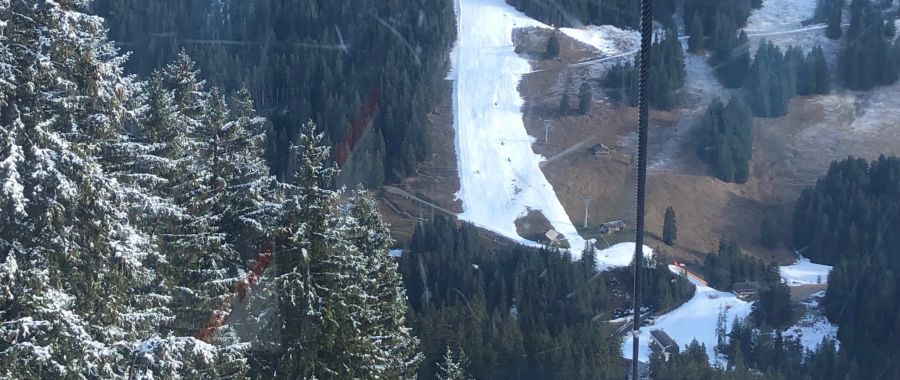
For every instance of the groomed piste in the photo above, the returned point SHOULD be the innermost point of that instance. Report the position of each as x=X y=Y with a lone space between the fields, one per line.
x=500 y=179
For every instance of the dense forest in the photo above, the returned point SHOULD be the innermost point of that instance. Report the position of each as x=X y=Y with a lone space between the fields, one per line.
x=870 y=55
x=719 y=22
x=518 y=312
x=667 y=74
x=728 y=265
x=725 y=139
x=849 y=220
x=142 y=235
x=776 y=76
x=342 y=64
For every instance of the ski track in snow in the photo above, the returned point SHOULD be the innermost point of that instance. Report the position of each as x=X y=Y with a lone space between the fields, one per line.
x=500 y=177
x=696 y=319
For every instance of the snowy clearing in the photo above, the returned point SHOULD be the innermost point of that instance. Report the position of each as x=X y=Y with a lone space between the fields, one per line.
x=804 y=272
x=813 y=327
x=696 y=319
x=607 y=39
x=619 y=255
x=500 y=177
x=780 y=15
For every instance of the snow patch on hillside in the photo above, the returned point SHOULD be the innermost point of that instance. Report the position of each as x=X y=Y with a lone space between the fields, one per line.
x=500 y=179
x=696 y=319
x=619 y=255
x=607 y=39
x=804 y=272
x=814 y=326
x=780 y=15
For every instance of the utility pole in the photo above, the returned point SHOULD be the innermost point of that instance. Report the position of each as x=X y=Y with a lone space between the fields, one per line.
x=587 y=203
x=547 y=125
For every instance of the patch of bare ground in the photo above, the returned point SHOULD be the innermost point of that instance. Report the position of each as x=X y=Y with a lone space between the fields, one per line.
x=707 y=208
x=802 y=292
x=533 y=226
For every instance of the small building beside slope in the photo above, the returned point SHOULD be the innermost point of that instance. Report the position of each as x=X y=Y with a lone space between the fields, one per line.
x=613 y=226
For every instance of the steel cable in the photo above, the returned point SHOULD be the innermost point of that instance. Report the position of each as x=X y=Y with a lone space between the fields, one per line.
x=643 y=120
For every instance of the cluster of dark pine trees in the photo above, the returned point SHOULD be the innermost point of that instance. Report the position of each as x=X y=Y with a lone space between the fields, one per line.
x=337 y=63
x=142 y=236
x=570 y=13
x=714 y=26
x=730 y=50
x=728 y=265
x=776 y=76
x=725 y=139
x=660 y=293
x=870 y=55
x=714 y=13
x=667 y=75
x=849 y=220
x=516 y=312
x=830 y=12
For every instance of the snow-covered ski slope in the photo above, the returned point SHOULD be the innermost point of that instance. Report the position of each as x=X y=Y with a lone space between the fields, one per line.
x=696 y=319
x=500 y=180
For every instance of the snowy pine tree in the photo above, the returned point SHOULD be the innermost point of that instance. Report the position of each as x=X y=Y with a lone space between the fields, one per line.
x=70 y=259
x=395 y=354
x=182 y=76
x=341 y=301
x=453 y=367
x=130 y=214
x=299 y=248
x=158 y=172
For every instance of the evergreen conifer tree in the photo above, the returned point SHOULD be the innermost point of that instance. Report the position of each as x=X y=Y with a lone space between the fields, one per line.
x=670 y=227
x=696 y=36
x=586 y=97
x=71 y=260
x=834 y=16
x=552 y=46
x=453 y=367
x=393 y=354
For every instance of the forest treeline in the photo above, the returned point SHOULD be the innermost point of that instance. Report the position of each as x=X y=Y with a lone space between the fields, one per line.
x=573 y=13
x=338 y=63
x=519 y=312
x=848 y=220
x=845 y=221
